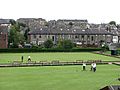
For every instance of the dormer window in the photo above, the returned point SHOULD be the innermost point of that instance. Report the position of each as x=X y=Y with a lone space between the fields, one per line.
x=74 y=30
x=61 y=29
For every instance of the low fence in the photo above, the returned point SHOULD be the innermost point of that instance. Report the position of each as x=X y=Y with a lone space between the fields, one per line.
x=49 y=63
x=56 y=63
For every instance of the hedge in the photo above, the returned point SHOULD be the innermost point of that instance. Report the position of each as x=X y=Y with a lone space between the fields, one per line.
x=23 y=50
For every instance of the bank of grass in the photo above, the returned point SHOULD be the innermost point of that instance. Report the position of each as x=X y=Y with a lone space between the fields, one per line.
x=62 y=56
x=58 y=78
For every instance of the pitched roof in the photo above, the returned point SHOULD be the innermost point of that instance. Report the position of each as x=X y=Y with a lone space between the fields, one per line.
x=72 y=20
x=4 y=21
x=66 y=31
x=39 y=31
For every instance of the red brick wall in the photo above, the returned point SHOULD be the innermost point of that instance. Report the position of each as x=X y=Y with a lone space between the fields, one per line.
x=3 y=41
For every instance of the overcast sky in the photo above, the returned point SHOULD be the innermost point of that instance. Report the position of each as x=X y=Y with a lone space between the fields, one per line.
x=95 y=11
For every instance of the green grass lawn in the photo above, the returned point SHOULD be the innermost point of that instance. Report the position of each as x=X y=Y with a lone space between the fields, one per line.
x=9 y=57
x=58 y=78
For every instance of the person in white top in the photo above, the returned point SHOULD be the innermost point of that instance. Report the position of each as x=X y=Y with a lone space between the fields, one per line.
x=94 y=67
x=29 y=59
x=91 y=66
x=84 y=66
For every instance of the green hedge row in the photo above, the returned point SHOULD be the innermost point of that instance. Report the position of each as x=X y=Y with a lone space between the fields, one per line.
x=22 y=50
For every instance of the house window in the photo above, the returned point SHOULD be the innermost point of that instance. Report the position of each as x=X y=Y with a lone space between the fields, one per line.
x=82 y=37
x=92 y=38
x=34 y=36
x=88 y=37
x=39 y=36
x=53 y=38
x=76 y=36
x=48 y=36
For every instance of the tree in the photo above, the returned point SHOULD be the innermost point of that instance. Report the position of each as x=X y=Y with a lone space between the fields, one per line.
x=13 y=22
x=48 y=44
x=12 y=36
x=21 y=38
x=60 y=43
x=70 y=24
x=26 y=34
x=101 y=42
x=22 y=24
x=67 y=44
x=105 y=47
x=15 y=36
x=112 y=23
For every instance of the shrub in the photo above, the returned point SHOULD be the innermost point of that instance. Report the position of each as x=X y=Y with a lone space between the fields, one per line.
x=23 y=50
x=65 y=44
x=48 y=44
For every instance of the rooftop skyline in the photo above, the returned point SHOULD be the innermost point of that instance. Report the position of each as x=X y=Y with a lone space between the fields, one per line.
x=95 y=11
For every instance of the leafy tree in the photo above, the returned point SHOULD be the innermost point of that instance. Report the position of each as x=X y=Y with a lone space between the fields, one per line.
x=21 y=38
x=48 y=44
x=118 y=26
x=60 y=43
x=70 y=24
x=26 y=34
x=12 y=36
x=13 y=22
x=105 y=47
x=101 y=42
x=112 y=23
x=15 y=37
x=67 y=44
x=22 y=24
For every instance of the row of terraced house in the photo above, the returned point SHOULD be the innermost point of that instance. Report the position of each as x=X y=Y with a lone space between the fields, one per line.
x=78 y=31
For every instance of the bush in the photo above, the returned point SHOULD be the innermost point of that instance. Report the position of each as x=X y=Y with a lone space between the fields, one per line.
x=23 y=50
x=48 y=44
x=65 y=44
x=105 y=48
x=35 y=46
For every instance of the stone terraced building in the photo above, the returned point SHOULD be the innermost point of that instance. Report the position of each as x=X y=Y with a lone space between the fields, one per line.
x=78 y=31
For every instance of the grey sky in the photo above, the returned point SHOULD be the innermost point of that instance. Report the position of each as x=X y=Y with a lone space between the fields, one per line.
x=96 y=11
